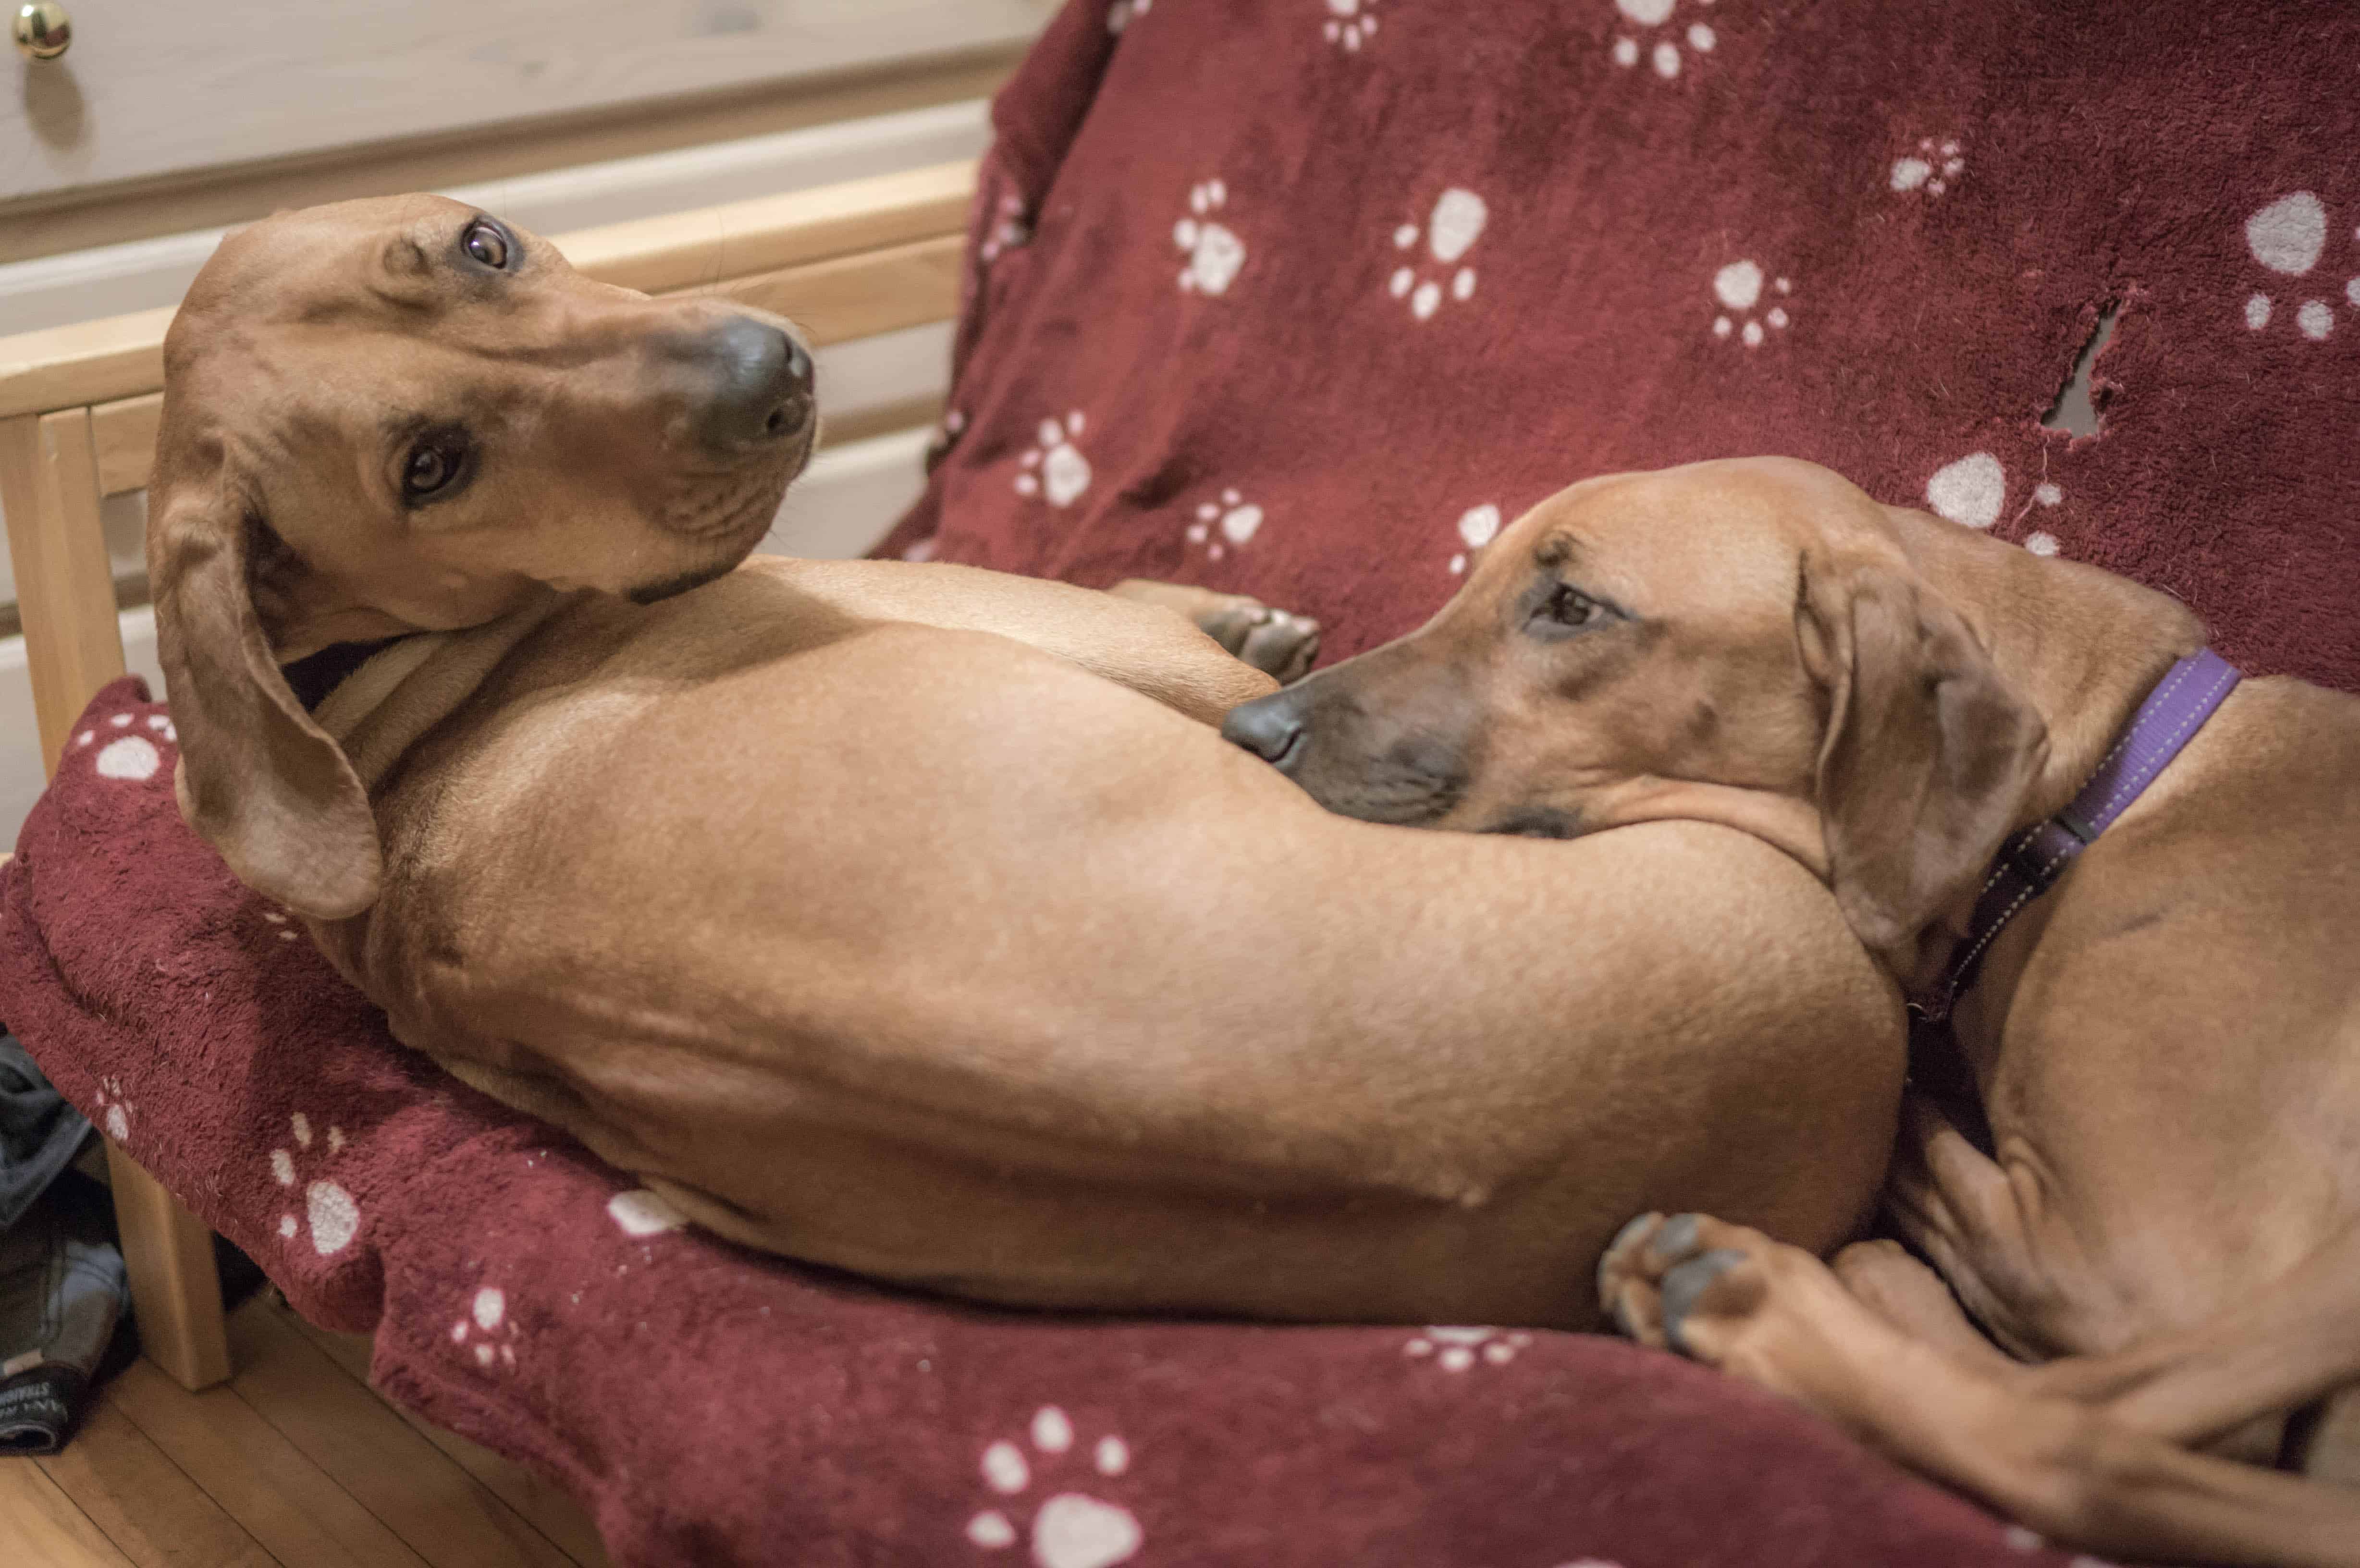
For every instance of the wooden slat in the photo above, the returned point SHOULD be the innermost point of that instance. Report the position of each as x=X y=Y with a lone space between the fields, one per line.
x=122 y=356
x=175 y=1289
x=65 y=589
x=48 y=487
x=542 y=1503
x=740 y=238
x=145 y=1504
x=39 y=1525
x=83 y=362
x=261 y=1479
x=444 y=1514
x=124 y=433
x=859 y=296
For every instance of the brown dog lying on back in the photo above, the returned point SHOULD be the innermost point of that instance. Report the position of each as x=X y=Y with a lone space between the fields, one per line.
x=2167 y=1043
x=915 y=920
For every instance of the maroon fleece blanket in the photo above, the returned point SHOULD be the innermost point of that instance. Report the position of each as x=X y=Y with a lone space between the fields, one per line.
x=714 y=1407
x=1303 y=297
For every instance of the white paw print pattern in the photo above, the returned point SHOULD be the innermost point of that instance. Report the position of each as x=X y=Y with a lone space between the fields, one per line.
x=333 y=1215
x=2288 y=236
x=1213 y=252
x=1930 y=169
x=114 y=1110
x=1236 y=519
x=1123 y=13
x=1664 y=58
x=1350 y=24
x=1069 y=1530
x=130 y=757
x=1972 y=491
x=2018 y=1538
x=1009 y=229
x=1478 y=526
x=1450 y=232
x=1055 y=467
x=1738 y=287
x=481 y=1331
x=640 y=1214
x=1457 y=1349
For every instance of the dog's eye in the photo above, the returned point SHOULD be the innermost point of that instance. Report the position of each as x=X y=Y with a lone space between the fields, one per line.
x=485 y=240
x=434 y=463
x=1569 y=606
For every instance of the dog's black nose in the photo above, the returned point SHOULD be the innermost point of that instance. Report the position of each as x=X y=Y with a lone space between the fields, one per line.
x=1271 y=727
x=761 y=385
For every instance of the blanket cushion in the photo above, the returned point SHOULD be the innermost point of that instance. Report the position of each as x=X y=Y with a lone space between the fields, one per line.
x=716 y=1407
x=1305 y=300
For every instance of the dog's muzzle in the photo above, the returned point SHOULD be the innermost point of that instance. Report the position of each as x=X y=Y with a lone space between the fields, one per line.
x=760 y=387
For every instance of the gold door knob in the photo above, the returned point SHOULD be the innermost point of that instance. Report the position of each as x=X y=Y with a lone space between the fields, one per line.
x=42 y=28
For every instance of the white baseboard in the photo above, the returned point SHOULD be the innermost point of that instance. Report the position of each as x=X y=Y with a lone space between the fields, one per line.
x=843 y=505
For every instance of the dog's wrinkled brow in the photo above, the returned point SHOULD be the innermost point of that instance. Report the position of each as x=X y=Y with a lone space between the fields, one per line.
x=1555 y=550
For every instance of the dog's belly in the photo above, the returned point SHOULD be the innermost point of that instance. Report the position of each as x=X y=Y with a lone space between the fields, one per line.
x=927 y=955
x=2170 y=1045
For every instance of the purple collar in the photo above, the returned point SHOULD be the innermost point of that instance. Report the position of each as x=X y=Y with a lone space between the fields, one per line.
x=2033 y=860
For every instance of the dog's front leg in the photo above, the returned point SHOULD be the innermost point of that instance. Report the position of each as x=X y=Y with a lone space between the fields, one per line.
x=1152 y=638
x=1279 y=643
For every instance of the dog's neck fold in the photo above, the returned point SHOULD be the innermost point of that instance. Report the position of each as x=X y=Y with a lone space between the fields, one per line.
x=431 y=673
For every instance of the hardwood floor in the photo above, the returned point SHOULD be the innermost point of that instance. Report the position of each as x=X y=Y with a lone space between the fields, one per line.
x=295 y=1462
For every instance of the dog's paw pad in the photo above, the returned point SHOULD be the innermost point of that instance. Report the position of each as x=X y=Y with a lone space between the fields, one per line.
x=1280 y=645
x=1687 y=1283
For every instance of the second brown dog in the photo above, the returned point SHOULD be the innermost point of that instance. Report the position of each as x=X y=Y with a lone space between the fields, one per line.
x=2166 y=1044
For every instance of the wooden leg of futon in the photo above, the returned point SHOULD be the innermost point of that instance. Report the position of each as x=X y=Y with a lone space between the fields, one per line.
x=175 y=1289
x=49 y=490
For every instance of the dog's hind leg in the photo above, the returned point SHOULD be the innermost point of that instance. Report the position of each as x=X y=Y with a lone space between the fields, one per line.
x=2288 y=1341
x=1776 y=1317
x=2022 y=1274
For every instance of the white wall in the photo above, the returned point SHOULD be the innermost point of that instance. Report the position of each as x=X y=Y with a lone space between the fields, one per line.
x=157 y=88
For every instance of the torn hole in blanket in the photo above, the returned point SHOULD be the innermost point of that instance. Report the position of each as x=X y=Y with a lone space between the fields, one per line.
x=2076 y=409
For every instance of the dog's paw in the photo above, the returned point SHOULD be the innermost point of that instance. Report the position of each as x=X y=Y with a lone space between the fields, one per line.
x=1275 y=642
x=1657 y=1271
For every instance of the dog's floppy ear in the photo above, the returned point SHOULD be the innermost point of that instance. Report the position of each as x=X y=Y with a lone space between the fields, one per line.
x=1927 y=753
x=257 y=780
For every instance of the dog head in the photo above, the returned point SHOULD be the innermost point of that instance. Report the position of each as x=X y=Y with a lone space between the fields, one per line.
x=403 y=415
x=1748 y=642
